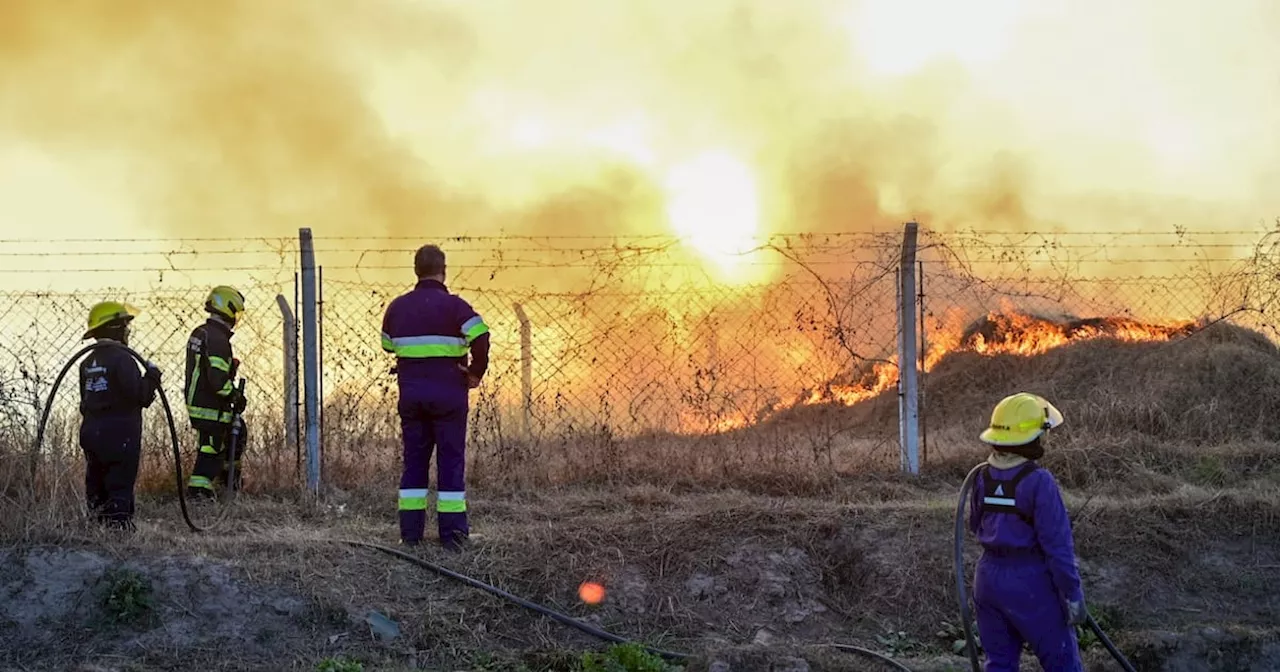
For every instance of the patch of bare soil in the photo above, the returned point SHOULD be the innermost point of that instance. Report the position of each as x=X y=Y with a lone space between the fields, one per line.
x=78 y=605
x=1181 y=581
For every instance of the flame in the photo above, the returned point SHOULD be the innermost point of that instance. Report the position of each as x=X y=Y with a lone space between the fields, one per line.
x=1019 y=334
x=998 y=333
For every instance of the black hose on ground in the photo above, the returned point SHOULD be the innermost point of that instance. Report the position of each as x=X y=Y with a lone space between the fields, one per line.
x=565 y=618
x=168 y=414
x=476 y=583
x=1111 y=648
x=871 y=654
x=966 y=615
x=439 y=569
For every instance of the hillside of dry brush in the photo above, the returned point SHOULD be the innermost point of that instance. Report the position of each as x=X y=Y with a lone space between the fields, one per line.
x=753 y=549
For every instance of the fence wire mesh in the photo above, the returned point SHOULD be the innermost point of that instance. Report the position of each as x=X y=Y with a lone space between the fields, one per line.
x=45 y=297
x=578 y=379
x=614 y=359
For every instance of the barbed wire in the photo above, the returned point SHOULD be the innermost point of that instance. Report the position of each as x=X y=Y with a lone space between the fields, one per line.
x=603 y=339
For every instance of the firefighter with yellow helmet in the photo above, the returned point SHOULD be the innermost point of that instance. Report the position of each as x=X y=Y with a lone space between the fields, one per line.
x=212 y=398
x=1027 y=583
x=112 y=395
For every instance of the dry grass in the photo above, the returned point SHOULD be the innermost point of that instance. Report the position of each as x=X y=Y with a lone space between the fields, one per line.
x=1168 y=456
x=1196 y=409
x=1158 y=561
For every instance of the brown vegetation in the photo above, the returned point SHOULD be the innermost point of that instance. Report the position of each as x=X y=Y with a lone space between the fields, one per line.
x=765 y=535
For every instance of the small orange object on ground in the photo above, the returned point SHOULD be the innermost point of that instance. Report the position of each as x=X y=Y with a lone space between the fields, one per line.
x=591 y=592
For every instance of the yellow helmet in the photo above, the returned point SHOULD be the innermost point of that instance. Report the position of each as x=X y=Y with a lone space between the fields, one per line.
x=1020 y=419
x=225 y=301
x=106 y=312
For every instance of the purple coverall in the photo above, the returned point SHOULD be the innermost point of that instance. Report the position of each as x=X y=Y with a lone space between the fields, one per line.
x=431 y=332
x=1027 y=572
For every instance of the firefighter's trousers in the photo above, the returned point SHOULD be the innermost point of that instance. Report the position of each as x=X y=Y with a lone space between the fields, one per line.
x=112 y=446
x=213 y=458
x=433 y=417
x=1015 y=602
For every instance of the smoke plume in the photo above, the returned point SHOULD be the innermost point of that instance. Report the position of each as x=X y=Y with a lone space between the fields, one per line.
x=432 y=119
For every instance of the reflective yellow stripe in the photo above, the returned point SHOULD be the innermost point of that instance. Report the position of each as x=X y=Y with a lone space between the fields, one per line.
x=219 y=363
x=197 y=413
x=208 y=450
x=422 y=347
x=200 y=482
x=387 y=345
x=413 y=499
x=195 y=380
x=451 y=502
x=474 y=328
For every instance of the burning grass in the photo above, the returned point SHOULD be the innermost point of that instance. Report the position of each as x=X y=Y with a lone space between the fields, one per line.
x=1132 y=394
x=796 y=530
x=995 y=334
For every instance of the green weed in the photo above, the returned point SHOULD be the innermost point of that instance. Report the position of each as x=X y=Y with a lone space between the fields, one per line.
x=339 y=664
x=125 y=596
x=624 y=658
x=1107 y=618
x=898 y=643
x=954 y=636
x=1210 y=471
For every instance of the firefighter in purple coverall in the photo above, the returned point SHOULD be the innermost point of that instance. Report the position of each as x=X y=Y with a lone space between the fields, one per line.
x=1027 y=586
x=431 y=331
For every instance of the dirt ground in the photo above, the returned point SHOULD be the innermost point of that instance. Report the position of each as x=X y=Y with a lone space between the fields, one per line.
x=1182 y=581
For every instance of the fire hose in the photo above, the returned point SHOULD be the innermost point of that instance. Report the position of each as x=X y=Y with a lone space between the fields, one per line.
x=966 y=615
x=173 y=432
x=401 y=555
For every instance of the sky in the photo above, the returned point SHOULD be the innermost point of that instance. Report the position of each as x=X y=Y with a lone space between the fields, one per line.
x=720 y=121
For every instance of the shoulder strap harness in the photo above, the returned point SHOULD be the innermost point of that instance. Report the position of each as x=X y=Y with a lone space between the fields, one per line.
x=998 y=496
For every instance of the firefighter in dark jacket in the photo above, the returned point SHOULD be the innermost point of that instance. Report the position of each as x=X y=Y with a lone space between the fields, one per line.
x=212 y=399
x=431 y=332
x=112 y=395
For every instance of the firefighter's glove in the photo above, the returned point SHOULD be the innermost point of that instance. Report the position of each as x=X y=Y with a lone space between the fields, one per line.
x=238 y=403
x=153 y=373
x=1077 y=613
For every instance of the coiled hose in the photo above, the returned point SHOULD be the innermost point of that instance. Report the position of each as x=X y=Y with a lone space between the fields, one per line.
x=173 y=431
x=439 y=569
x=966 y=615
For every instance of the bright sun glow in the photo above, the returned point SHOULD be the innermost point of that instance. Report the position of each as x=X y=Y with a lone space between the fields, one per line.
x=1173 y=141
x=712 y=203
x=896 y=37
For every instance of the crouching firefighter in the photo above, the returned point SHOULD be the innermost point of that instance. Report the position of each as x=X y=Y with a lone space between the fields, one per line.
x=213 y=401
x=431 y=332
x=112 y=395
x=1027 y=584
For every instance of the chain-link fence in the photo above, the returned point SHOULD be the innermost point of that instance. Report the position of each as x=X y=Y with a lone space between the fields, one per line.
x=629 y=359
x=42 y=330
x=46 y=291
x=637 y=373
x=1026 y=293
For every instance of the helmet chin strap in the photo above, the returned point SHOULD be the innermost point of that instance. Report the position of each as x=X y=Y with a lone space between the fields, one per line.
x=1031 y=451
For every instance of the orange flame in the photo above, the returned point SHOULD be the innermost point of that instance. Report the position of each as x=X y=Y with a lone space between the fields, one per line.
x=998 y=333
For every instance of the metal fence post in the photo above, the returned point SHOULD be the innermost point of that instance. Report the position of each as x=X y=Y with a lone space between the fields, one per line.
x=289 y=333
x=526 y=370
x=908 y=363
x=310 y=359
x=924 y=382
x=320 y=447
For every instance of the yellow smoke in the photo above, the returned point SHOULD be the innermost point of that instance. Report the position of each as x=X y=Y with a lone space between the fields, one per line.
x=381 y=117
